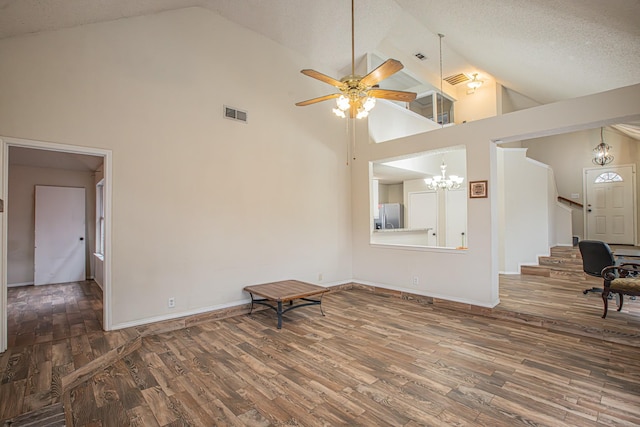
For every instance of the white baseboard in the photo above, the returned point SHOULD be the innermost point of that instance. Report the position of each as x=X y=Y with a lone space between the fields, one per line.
x=15 y=285
x=173 y=316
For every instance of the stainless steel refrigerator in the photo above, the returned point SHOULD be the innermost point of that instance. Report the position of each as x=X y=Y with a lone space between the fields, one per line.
x=391 y=215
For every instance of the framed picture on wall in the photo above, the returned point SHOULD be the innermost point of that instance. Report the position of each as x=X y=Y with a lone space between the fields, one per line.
x=477 y=189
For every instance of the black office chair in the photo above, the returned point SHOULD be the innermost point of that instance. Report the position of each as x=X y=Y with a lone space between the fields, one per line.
x=596 y=255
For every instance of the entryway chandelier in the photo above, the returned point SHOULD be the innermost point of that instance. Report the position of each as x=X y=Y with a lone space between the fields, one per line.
x=443 y=182
x=601 y=154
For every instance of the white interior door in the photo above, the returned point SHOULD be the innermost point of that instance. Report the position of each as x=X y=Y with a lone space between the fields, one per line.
x=609 y=205
x=456 y=217
x=60 y=254
x=423 y=213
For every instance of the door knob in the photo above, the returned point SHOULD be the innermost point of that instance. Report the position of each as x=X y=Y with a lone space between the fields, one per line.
x=82 y=238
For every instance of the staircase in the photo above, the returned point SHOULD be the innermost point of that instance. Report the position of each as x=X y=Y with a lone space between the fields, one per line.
x=564 y=262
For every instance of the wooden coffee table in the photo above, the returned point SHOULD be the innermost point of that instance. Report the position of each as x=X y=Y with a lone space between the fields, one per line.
x=274 y=294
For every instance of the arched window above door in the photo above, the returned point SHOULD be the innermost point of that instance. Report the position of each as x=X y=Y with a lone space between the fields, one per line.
x=608 y=177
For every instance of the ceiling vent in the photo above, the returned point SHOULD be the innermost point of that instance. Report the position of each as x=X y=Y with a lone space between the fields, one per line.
x=235 y=114
x=457 y=79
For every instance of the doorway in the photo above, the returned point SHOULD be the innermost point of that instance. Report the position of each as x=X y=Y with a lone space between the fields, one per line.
x=54 y=160
x=609 y=204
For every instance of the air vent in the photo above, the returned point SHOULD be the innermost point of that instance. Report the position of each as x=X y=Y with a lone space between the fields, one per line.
x=457 y=79
x=235 y=114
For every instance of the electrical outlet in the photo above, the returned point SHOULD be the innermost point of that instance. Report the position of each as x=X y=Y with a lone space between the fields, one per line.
x=416 y=280
x=172 y=302
x=319 y=277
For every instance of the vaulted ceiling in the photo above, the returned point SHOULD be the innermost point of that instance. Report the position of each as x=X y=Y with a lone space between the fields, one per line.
x=548 y=50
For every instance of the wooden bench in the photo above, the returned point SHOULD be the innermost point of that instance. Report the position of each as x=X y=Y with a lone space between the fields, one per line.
x=285 y=291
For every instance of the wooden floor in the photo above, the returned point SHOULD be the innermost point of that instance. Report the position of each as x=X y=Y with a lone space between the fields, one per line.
x=561 y=305
x=373 y=360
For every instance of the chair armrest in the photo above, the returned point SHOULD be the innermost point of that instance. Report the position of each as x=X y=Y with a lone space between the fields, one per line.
x=623 y=270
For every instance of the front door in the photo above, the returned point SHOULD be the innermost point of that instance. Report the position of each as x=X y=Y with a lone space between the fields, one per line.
x=609 y=204
x=60 y=254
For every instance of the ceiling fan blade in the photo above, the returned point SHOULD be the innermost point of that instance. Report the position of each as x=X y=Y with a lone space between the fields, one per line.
x=394 y=95
x=319 y=99
x=389 y=67
x=323 y=78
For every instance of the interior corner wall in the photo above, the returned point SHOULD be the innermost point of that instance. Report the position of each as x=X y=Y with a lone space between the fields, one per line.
x=21 y=216
x=201 y=205
x=481 y=104
x=526 y=210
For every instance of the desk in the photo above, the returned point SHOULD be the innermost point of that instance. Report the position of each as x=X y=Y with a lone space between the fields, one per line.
x=285 y=291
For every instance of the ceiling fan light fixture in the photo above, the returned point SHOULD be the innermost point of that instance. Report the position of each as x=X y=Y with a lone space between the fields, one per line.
x=361 y=114
x=358 y=93
x=369 y=103
x=343 y=103
x=340 y=113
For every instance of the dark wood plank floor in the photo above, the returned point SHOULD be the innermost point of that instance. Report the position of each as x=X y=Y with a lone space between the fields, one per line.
x=373 y=360
x=559 y=303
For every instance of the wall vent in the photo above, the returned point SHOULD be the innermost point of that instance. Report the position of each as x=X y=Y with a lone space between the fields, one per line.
x=234 y=114
x=457 y=79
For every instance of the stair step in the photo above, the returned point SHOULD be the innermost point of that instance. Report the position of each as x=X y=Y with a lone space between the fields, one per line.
x=568 y=263
x=561 y=273
x=566 y=252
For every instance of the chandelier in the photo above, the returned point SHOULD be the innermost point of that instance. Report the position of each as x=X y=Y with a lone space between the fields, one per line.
x=601 y=155
x=443 y=182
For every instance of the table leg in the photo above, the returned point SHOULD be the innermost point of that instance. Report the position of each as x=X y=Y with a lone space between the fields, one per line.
x=279 y=314
x=251 y=309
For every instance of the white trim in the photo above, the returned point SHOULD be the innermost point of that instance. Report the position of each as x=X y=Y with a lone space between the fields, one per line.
x=16 y=285
x=5 y=143
x=202 y=310
x=3 y=255
x=419 y=248
x=173 y=316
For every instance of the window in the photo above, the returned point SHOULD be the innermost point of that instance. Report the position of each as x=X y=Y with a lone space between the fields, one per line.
x=442 y=108
x=405 y=212
x=100 y=218
x=608 y=177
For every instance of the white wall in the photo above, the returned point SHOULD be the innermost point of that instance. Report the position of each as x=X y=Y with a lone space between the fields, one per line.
x=21 y=223
x=202 y=205
x=527 y=220
x=471 y=275
x=389 y=121
x=476 y=105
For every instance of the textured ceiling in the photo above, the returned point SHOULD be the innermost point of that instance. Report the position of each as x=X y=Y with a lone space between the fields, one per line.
x=547 y=50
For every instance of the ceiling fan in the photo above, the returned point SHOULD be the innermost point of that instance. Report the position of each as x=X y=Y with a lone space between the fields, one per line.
x=357 y=93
